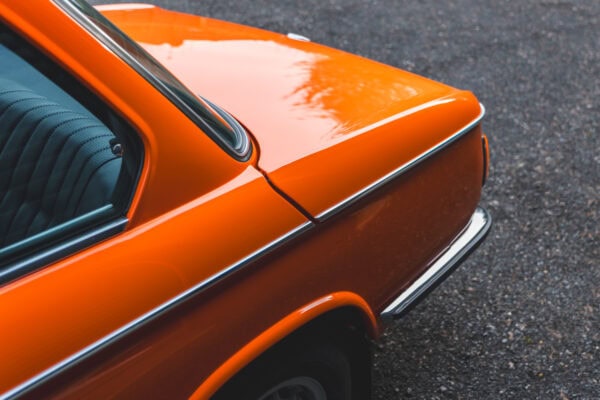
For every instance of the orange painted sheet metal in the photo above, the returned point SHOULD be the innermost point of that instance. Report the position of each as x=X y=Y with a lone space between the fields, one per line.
x=323 y=261
x=169 y=163
x=210 y=225
x=279 y=331
x=320 y=115
x=105 y=288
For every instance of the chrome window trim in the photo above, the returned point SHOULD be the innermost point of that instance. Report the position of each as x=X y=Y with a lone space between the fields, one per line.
x=471 y=236
x=152 y=314
x=330 y=212
x=55 y=253
x=73 y=224
x=237 y=128
x=242 y=150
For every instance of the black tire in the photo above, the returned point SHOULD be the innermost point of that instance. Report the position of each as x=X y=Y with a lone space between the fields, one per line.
x=320 y=372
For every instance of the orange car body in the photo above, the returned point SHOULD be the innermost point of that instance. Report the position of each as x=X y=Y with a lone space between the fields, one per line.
x=360 y=176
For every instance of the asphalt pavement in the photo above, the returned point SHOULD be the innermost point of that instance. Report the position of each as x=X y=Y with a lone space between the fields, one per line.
x=520 y=319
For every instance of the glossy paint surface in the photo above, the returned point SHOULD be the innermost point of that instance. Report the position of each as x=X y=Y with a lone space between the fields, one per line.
x=52 y=314
x=307 y=105
x=372 y=251
x=321 y=131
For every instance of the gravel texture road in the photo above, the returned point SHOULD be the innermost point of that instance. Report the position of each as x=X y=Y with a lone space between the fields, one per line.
x=520 y=319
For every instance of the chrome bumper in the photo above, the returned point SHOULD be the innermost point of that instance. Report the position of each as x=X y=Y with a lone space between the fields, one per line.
x=473 y=234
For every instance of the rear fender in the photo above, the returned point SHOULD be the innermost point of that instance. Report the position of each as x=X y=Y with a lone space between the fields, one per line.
x=281 y=330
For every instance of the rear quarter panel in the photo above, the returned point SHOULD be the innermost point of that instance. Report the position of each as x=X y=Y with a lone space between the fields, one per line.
x=372 y=250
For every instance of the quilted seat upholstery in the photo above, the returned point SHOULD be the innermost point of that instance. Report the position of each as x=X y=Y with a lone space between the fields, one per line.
x=55 y=164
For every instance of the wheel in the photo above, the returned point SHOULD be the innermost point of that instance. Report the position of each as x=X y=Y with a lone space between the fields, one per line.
x=322 y=372
x=300 y=387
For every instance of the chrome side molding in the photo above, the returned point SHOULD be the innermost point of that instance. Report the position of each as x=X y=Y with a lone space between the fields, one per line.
x=330 y=212
x=74 y=359
x=473 y=234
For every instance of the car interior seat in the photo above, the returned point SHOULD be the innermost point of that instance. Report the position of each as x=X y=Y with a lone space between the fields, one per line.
x=55 y=163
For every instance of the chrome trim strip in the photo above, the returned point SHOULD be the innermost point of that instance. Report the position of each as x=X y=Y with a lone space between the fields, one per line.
x=150 y=315
x=242 y=150
x=400 y=170
x=43 y=236
x=463 y=245
x=300 y=38
x=61 y=250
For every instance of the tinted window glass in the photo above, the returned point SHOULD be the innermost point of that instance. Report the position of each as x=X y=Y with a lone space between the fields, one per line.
x=63 y=168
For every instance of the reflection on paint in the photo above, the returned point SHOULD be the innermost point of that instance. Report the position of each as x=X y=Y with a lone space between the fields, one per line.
x=284 y=91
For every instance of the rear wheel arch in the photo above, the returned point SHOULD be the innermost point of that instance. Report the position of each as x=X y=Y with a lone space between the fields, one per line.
x=341 y=317
x=333 y=348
